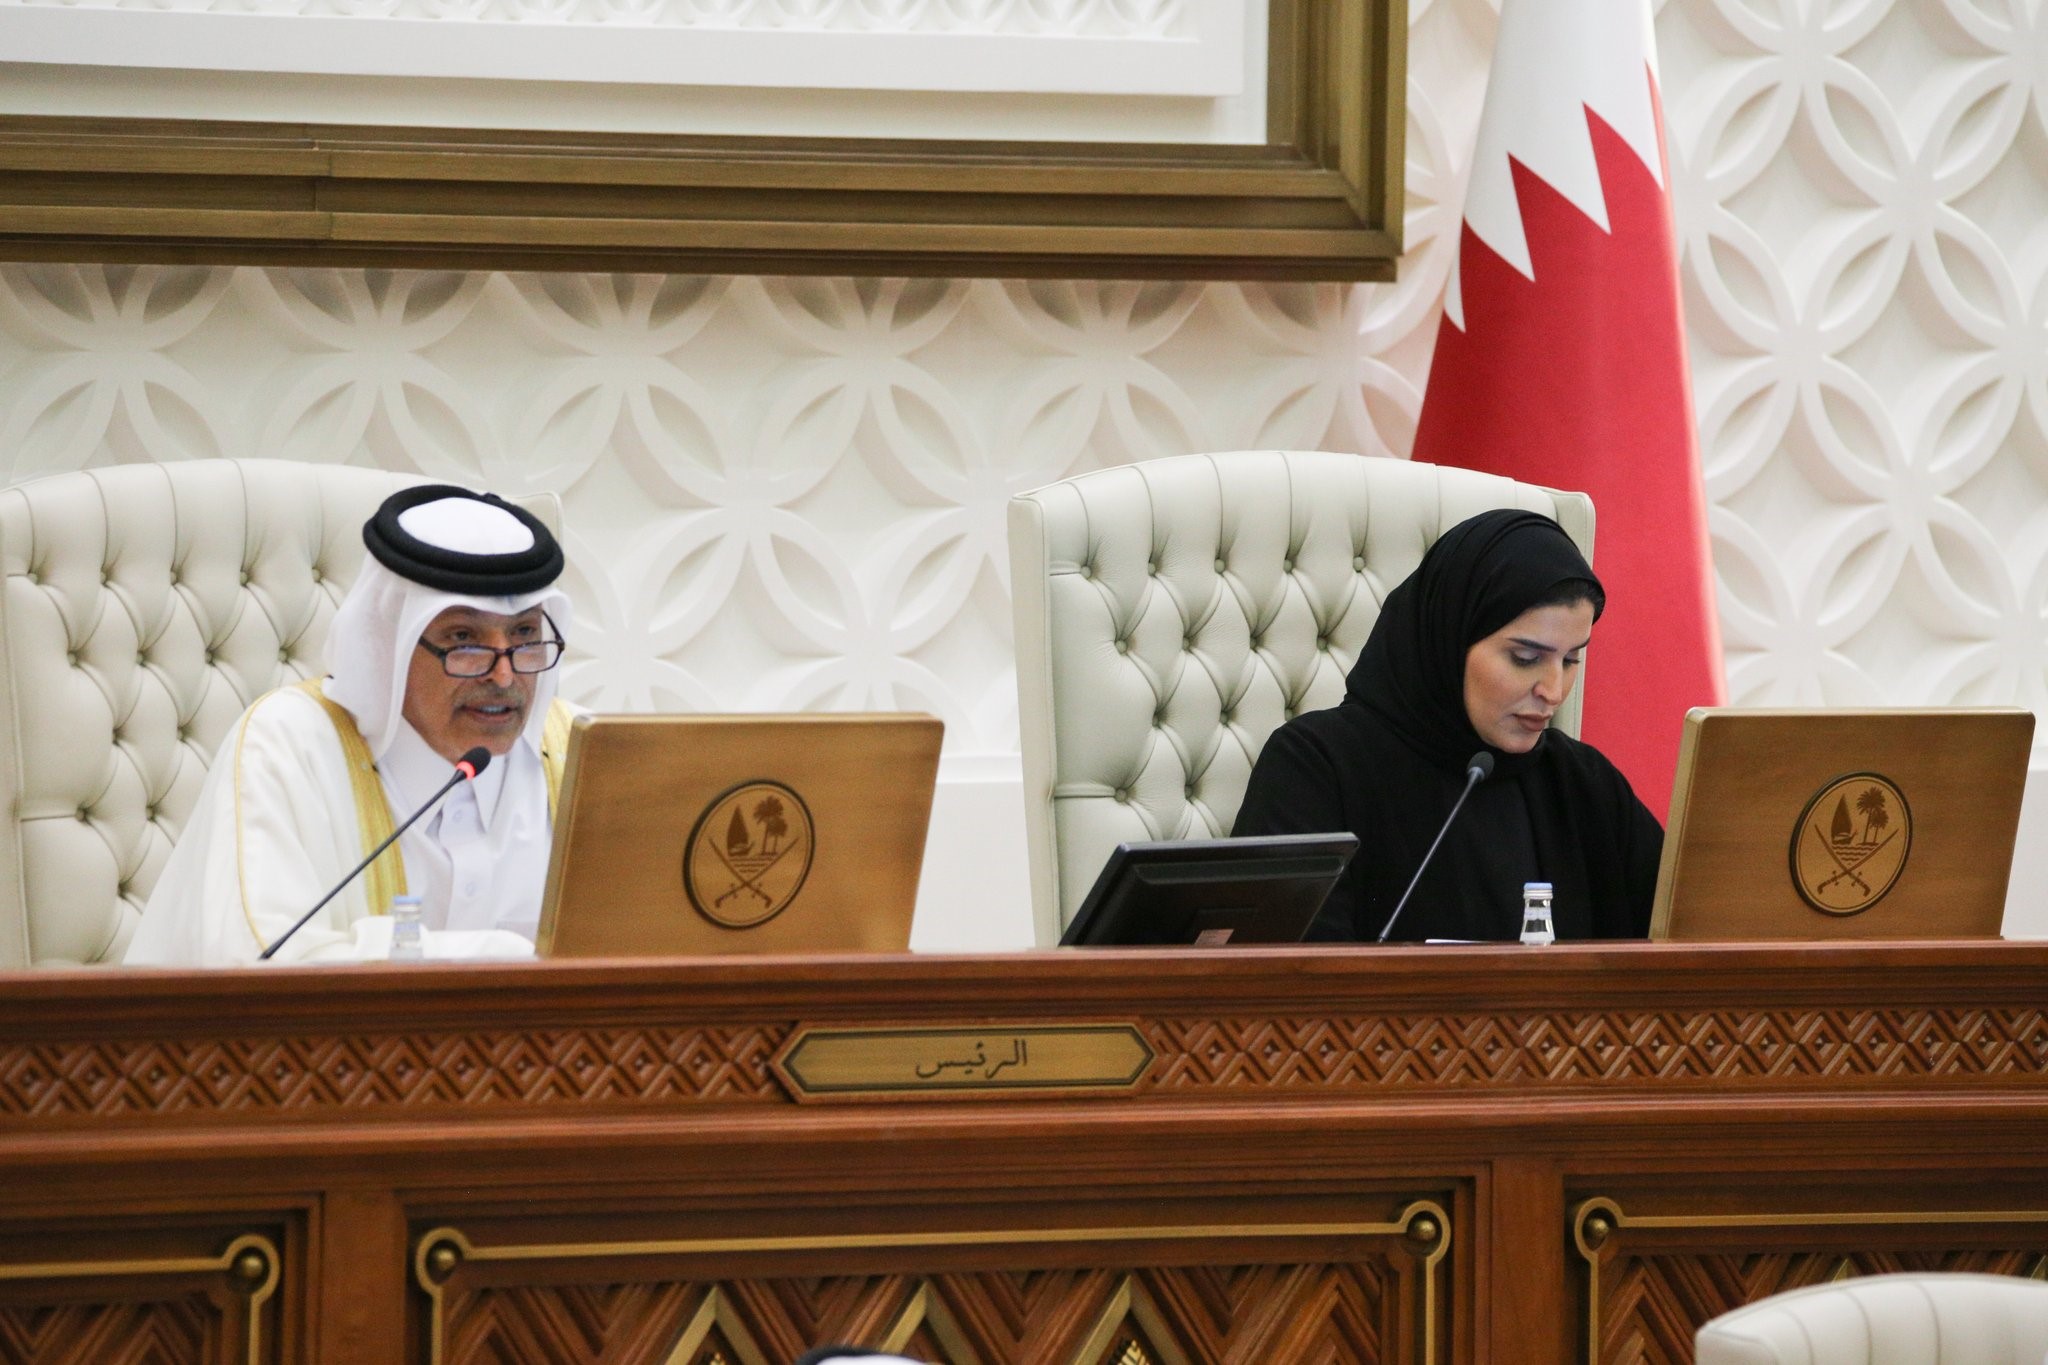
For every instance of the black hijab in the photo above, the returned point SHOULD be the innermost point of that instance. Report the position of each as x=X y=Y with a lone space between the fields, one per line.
x=1480 y=575
x=1389 y=760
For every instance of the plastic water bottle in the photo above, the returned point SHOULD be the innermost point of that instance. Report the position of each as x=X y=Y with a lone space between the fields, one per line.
x=408 y=935
x=1536 y=914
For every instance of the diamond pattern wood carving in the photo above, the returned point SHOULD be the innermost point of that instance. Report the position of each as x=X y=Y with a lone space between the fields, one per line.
x=1394 y=1053
x=1658 y=1303
x=347 y=1072
x=1325 y=1312
x=1599 y=1046
x=180 y=1329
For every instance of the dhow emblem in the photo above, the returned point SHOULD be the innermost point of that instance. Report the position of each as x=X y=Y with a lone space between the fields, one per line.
x=1850 y=843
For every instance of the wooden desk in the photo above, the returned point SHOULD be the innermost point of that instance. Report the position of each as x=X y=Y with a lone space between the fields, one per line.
x=1477 y=1154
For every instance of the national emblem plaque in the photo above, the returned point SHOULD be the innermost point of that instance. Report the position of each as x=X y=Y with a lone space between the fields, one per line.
x=748 y=854
x=1850 y=843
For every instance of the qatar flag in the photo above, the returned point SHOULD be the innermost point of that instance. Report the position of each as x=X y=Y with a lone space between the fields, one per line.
x=1561 y=356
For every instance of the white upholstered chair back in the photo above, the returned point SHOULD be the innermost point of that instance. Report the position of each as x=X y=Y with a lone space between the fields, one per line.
x=141 y=608
x=1171 y=614
x=1923 y=1319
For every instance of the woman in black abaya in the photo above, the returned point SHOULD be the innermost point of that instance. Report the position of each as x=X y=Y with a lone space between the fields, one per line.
x=1475 y=651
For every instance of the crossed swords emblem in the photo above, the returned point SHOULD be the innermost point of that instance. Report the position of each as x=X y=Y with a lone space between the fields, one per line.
x=745 y=882
x=1846 y=866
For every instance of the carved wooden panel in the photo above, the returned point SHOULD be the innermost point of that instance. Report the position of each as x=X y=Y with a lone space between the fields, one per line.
x=354 y=1071
x=1325 y=1312
x=1396 y=1053
x=1656 y=1304
x=1361 y=1279
x=177 y=1330
x=1593 y=1046
x=595 y=1161
x=141 y=1298
x=1651 y=1283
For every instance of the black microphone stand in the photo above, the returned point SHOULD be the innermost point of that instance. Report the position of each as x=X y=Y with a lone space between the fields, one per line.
x=466 y=770
x=1477 y=769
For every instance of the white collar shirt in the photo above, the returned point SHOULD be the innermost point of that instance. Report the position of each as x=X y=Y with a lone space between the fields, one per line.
x=478 y=860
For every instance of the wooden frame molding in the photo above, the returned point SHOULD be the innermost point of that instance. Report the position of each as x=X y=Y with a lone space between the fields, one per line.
x=1321 y=200
x=1596 y=1222
x=1421 y=1231
x=249 y=1266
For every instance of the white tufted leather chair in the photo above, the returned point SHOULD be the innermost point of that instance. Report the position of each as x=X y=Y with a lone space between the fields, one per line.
x=1171 y=614
x=142 y=607
x=1922 y=1319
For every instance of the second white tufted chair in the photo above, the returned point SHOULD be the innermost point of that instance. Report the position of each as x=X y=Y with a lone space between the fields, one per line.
x=142 y=608
x=1172 y=614
x=1922 y=1319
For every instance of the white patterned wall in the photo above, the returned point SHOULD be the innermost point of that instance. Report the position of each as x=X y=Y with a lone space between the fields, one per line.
x=789 y=493
x=1863 y=190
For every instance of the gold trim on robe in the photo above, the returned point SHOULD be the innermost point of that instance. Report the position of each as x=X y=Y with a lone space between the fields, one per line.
x=374 y=820
x=373 y=809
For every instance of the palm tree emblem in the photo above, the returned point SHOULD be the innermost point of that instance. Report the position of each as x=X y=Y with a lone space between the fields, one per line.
x=773 y=826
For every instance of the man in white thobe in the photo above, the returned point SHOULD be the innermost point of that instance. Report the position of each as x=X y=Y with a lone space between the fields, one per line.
x=447 y=641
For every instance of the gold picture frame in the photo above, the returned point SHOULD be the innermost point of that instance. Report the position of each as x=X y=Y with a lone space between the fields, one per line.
x=1319 y=200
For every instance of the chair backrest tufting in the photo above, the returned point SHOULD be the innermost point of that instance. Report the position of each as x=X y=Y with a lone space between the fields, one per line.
x=1171 y=614
x=1915 y=1319
x=142 y=607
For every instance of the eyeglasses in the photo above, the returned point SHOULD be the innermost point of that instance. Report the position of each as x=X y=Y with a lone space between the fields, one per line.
x=480 y=661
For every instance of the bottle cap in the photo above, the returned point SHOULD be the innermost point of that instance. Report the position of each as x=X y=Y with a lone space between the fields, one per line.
x=1541 y=888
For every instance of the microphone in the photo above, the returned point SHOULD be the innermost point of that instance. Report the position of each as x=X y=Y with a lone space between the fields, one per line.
x=1478 y=768
x=466 y=769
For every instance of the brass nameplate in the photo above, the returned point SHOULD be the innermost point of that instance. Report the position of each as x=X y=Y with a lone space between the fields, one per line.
x=914 y=1062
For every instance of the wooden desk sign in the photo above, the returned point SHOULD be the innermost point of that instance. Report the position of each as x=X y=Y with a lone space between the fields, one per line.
x=1833 y=823
x=916 y=1062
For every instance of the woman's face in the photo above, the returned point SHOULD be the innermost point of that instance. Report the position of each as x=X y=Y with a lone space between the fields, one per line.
x=1517 y=677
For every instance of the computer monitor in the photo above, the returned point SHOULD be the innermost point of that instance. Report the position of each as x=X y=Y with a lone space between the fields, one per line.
x=1211 y=892
x=1828 y=824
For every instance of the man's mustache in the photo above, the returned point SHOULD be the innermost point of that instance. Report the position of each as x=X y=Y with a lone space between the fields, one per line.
x=491 y=696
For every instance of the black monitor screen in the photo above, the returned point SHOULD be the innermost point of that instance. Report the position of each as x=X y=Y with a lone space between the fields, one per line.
x=1211 y=892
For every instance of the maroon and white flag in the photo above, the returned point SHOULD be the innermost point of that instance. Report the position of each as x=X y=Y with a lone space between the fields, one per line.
x=1561 y=356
